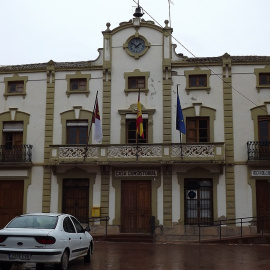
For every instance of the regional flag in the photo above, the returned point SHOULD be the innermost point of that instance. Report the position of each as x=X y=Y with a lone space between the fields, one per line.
x=96 y=120
x=139 y=120
x=180 y=123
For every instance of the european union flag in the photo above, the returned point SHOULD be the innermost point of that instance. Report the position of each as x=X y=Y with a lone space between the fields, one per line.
x=180 y=123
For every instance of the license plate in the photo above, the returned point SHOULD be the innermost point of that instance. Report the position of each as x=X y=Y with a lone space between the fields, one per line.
x=19 y=256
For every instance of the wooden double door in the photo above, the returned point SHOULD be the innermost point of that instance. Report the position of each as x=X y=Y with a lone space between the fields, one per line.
x=135 y=206
x=76 y=198
x=263 y=205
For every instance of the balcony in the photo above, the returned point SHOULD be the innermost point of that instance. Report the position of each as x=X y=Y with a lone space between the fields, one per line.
x=142 y=153
x=16 y=153
x=258 y=151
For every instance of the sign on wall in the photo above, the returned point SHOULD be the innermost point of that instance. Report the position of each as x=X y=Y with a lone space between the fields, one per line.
x=136 y=173
x=260 y=173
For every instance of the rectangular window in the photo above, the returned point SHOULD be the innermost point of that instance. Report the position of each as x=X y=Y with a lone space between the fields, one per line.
x=77 y=132
x=131 y=134
x=264 y=78
x=78 y=84
x=197 y=80
x=136 y=82
x=15 y=86
x=198 y=201
x=197 y=129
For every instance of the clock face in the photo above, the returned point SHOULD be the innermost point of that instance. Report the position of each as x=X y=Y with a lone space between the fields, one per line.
x=136 y=45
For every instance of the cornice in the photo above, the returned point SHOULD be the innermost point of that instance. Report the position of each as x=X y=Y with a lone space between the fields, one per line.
x=82 y=65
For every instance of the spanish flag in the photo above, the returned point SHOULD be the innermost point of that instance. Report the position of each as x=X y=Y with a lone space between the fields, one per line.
x=139 y=120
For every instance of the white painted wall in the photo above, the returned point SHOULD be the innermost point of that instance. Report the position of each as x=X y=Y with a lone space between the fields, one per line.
x=243 y=197
x=64 y=103
x=175 y=197
x=221 y=196
x=150 y=62
x=245 y=97
x=34 y=192
x=212 y=100
x=34 y=104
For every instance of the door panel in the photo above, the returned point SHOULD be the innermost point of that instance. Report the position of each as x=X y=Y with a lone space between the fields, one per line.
x=263 y=205
x=11 y=200
x=136 y=206
x=143 y=206
x=128 y=206
x=76 y=198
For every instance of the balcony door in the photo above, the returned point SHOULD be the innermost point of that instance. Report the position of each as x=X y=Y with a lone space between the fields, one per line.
x=264 y=137
x=12 y=142
x=77 y=132
x=197 y=129
x=135 y=206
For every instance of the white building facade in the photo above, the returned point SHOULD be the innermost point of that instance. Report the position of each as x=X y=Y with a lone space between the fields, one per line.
x=218 y=170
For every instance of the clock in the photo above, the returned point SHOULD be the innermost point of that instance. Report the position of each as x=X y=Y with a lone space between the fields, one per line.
x=136 y=45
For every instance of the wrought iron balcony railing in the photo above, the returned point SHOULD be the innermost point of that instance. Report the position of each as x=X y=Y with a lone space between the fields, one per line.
x=258 y=150
x=16 y=153
x=156 y=153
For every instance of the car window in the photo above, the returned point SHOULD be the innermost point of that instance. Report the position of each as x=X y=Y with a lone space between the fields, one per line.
x=78 y=226
x=68 y=225
x=34 y=221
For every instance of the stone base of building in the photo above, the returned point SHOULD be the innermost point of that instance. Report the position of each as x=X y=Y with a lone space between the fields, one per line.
x=184 y=232
x=194 y=233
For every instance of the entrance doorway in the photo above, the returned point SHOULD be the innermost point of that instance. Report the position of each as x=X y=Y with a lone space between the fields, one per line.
x=135 y=206
x=263 y=205
x=11 y=200
x=198 y=201
x=76 y=198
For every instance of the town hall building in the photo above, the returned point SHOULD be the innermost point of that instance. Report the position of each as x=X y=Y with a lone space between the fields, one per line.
x=166 y=180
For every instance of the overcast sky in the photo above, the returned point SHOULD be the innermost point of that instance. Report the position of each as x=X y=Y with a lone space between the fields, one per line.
x=36 y=31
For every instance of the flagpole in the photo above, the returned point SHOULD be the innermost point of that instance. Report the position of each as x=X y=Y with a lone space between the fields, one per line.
x=137 y=155
x=88 y=136
x=170 y=12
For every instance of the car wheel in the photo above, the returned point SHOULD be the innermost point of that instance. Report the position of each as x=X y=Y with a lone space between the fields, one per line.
x=87 y=257
x=64 y=261
x=5 y=265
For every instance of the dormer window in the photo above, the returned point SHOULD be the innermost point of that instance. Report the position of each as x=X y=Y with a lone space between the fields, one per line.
x=264 y=78
x=78 y=84
x=198 y=80
x=15 y=86
x=136 y=82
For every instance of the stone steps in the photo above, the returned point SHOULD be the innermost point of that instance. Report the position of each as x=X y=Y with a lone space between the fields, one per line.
x=125 y=237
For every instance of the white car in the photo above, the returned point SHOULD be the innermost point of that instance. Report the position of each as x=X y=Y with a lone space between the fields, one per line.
x=44 y=238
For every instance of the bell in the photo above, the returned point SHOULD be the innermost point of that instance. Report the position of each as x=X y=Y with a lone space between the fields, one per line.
x=138 y=12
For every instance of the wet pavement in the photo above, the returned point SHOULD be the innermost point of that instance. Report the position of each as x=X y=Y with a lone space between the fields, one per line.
x=122 y=256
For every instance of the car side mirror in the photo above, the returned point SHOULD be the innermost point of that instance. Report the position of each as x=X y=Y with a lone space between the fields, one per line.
x=87 y=229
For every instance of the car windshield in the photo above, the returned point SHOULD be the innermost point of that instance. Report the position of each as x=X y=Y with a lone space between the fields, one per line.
x=35 y=221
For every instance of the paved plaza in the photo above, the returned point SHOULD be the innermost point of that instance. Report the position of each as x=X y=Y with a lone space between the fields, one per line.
x=159 y=256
